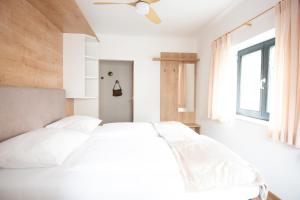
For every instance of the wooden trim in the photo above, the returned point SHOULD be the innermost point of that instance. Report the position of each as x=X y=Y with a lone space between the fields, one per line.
x=195 y=90
x=178 y=57
x=178 y=60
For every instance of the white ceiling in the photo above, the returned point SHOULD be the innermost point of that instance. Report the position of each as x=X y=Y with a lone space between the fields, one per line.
x=179 y=17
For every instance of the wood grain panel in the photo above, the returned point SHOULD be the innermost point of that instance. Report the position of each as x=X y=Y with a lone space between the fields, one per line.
x=30 y=47
x=69 y=107
x=65 y=14
x=194 y=126
x=186 y=117
x=168 y=91
x=180 y=57
x=169 y=80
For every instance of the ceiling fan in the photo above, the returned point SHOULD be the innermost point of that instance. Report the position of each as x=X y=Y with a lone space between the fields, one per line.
x=143 y=7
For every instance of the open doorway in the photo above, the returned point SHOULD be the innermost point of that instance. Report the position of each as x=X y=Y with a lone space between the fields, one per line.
x=117 y=107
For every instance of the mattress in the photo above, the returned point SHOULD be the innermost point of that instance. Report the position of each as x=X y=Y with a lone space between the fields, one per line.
x=124 y=161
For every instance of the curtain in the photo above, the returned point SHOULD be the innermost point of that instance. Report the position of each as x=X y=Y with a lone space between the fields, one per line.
x=285 y=100
x=222 y=81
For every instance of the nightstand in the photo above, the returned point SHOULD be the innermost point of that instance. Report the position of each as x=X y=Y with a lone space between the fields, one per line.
x=194 y=126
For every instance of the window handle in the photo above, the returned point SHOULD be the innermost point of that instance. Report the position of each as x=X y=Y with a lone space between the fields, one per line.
x=262 y=83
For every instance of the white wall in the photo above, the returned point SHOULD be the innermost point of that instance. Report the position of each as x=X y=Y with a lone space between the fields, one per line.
x=141 y=50
x=88 y=107
x=279 y=163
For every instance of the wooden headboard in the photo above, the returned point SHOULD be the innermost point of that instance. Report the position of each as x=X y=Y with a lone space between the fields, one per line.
x=23 y=109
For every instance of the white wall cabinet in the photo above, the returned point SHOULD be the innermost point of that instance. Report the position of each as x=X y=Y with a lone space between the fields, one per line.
x=81 y=67
x=81 y=72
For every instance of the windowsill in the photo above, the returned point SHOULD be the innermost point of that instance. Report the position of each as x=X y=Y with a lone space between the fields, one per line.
x=252 y=120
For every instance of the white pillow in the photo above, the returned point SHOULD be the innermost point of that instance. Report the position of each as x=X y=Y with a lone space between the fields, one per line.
x=76 y=122
x=40 y=148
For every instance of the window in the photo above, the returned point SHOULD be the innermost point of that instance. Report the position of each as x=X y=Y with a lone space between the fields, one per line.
x=254 y=80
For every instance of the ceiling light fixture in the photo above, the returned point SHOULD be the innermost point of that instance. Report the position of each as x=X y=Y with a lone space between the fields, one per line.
x=142 y=8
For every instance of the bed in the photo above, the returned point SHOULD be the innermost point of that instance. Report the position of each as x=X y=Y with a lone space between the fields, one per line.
x=119 y=161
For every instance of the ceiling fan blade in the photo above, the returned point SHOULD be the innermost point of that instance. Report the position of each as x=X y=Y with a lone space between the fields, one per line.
x=150 y=1
x=115 y=3
x=153 y=17
x=107 y=3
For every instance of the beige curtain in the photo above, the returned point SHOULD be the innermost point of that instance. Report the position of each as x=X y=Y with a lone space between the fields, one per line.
x=285 y=105
x=221 y=98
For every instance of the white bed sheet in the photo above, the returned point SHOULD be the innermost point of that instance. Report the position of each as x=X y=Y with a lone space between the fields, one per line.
x=126 y=130
x=109 y=167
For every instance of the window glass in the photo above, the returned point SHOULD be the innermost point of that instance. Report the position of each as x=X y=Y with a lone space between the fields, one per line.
x=255 y=69
x=250 y=81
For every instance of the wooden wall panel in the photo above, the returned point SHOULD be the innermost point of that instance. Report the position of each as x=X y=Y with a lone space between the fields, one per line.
x=31 y=47
x=168 y=91
x=64 y=14
x=69 y=107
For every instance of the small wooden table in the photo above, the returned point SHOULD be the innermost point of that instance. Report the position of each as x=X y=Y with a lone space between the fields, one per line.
x=194 y=126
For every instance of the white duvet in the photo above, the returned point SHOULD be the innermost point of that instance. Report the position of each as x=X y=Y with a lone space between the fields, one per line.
x=206 y=164
x=118 y=162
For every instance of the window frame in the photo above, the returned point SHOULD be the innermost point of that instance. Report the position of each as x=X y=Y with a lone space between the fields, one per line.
x=264 y=47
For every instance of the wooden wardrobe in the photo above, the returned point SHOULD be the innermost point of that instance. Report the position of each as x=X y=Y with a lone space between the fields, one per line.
x=172 y=86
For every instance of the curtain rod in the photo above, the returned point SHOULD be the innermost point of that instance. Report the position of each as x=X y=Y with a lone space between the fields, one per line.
x=248 y=22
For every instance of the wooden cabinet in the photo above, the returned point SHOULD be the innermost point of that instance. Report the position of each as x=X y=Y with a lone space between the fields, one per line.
x=173 y=92
x=194 y=126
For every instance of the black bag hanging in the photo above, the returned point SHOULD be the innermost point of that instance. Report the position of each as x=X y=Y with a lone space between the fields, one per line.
x=117 y=92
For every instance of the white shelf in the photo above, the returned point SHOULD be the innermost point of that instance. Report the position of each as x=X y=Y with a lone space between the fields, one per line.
x=81 y=73
x=90 y=38
x=91 y=77
x=91 y=58
x=85 y=98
